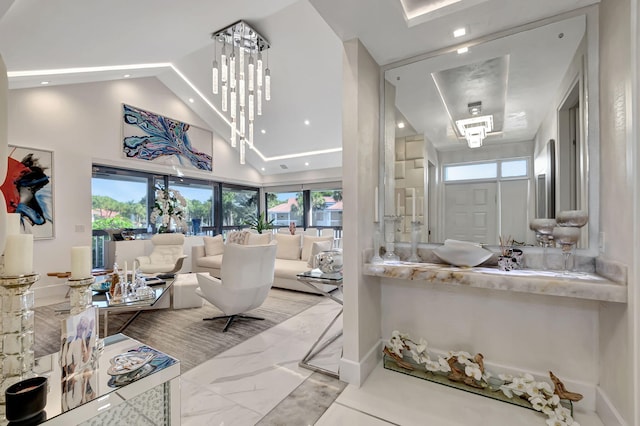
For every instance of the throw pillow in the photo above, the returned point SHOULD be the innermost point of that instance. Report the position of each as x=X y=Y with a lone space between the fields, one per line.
x=238 y=237
x=317 y=247
x=307 y=244
x=258 y=239
x=213 y=246
x=288 y=246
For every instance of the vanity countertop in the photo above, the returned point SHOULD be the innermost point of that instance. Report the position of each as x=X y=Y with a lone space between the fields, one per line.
x=552 y=283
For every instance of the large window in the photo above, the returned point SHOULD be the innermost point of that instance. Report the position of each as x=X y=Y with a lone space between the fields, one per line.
x=200 y=206
x=285 y=207
x=326 y=208
x=238 y=205
x=119 y=200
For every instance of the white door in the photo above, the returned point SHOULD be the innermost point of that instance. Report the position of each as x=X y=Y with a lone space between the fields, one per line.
x=471 y=212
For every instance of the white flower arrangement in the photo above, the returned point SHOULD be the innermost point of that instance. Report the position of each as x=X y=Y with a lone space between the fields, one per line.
x=169 y=204
x=462 y=367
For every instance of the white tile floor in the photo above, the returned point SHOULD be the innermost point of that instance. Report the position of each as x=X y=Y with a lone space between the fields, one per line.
x=241 y=385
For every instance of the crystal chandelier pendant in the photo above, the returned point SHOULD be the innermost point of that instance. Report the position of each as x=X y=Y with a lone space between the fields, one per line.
x=251 y=70
x=242 y=122
x=267 y=85
x=233 y=133
x=259 y=70
x=224 y=97
x=259 y=103
x=242 y=151
x=250 y=134
x=251 y=107
x=241 y=88
x=232 y=70
x=214 y=77
x=232 y=101
x=223 y=63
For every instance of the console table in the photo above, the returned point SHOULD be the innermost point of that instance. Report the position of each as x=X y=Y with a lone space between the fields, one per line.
x=153 y=399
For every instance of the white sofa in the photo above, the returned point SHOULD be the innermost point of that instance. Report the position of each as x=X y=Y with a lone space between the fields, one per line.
x=292 y=256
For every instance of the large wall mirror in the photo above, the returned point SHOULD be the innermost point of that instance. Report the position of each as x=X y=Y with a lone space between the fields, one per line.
x=479 y=142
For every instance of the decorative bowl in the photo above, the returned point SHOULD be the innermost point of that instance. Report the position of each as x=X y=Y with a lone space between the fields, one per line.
x=566 y=235
x=467 y=255
x=543 y=226
x=577 y=218
x=330 y=261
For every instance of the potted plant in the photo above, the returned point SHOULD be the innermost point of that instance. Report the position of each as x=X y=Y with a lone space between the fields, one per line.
x=259 y=223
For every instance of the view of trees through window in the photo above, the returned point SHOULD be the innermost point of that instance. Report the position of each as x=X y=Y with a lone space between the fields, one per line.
x=285 y=207
x=119 y=203
x=199 y=199
x=326 y=208
x=238 y=205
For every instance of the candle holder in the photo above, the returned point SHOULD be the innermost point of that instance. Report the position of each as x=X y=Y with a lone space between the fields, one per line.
x=415 y=236
x=16 y=338
x=390 y=236
x=376 y=258
x=80 y=294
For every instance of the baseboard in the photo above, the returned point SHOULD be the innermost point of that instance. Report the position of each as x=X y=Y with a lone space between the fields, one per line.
x=355 y=373
x=606 y=410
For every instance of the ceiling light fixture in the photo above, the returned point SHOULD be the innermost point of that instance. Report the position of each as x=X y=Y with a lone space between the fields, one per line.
x=307 y=122
x=462 y=50
x=191 y=100
x=263 y=131
x=240 y=78
x=475 y=108
x=306 y=163
x=126 y=75
x=475 y=129
x=401 y=125
x=44 y=83
x=459 y=32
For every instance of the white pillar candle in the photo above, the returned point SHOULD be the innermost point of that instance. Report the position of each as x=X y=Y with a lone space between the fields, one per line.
x=18 y=255
x=413 y=204
x=80 y=262
x=375 y=207
x=13 y=223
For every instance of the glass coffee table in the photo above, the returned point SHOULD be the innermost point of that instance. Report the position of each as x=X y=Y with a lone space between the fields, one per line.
x=310 y=278
x=105 y=305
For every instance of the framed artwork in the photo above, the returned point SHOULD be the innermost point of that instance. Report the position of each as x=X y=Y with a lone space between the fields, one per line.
x=152 y=137
x=28 y=189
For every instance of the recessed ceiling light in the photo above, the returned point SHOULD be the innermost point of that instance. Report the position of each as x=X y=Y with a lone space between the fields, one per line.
x=462 y=50
x=191 y=100
x=306 y=163
x=44 y=82
x=307 y=122
x=262 y=168
x=460 y=32
x=127 y=75
x=400 y=125
x=263 y=131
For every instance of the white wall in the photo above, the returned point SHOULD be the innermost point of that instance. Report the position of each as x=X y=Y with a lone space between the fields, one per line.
x=3 y=148
x=360 y=170
x=81 y=124
x=616 y=203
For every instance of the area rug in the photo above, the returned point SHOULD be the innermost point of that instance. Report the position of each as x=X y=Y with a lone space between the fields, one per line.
x=182 y=333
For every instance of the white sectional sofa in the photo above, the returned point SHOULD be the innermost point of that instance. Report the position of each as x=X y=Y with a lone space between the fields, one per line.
x=292 y=256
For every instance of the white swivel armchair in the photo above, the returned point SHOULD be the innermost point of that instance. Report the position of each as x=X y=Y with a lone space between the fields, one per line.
x=167 y=255
x=246 y=275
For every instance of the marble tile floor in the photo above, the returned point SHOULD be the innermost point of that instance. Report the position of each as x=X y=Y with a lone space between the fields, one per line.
x=260 y=382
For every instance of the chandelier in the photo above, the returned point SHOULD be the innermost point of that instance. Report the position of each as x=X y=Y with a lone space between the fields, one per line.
x=242 y=79
x=475 y=129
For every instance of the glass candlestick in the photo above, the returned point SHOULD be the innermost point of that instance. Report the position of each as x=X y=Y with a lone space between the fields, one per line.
x=415 y=236
x=80 y=294
x=390 y=236
x=16 y=344
x=376 y=259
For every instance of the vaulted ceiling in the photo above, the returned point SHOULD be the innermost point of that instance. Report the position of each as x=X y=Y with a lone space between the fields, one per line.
x=173 y=40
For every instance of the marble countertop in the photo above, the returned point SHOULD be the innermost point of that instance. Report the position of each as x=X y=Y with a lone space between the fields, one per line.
x=579 y=285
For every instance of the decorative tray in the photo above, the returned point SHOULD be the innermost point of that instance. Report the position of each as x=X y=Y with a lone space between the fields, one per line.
x=128 y=362
x=128 y=300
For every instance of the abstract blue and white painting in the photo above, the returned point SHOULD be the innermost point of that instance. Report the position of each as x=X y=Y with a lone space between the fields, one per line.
x=152 y=137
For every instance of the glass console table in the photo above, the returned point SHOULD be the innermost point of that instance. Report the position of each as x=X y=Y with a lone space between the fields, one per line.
x=310 y=278
x=151 y=400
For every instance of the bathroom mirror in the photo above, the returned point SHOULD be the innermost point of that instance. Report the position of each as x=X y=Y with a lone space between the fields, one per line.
x=528 y=97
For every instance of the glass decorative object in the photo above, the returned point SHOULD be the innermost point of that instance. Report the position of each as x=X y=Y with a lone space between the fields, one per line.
x=415 y=237
x=376 y=258
x=80 y=294
x=390 y=225
x=544 y=230
x=16 y=344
